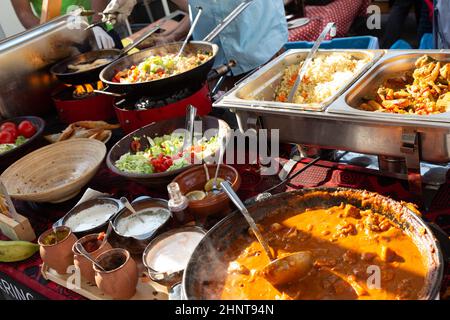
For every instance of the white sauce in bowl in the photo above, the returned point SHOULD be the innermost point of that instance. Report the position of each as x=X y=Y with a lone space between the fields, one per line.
x=172 y=254
x=142 y=222
x=91 y=217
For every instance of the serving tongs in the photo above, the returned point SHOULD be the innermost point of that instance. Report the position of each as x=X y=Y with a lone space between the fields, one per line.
x=282 y=269
x=228 y=19
x=330 y=28
x=191 y=113
x=105 y=17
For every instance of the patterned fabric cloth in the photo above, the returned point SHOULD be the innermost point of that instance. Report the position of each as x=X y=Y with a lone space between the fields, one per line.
x=342 y=12
x=322 y=174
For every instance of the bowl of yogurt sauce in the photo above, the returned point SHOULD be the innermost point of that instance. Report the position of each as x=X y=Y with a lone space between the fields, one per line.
x=135 y=230
x=168 y=254
x=91 y=215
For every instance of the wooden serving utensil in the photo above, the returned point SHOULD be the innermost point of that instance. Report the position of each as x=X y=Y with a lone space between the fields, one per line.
x=280 y=270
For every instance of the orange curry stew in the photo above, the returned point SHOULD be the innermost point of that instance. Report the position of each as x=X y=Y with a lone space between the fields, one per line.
x=347 y=244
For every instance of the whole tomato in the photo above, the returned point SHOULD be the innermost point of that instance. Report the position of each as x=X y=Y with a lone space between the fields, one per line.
x=13 y=131
x=6 y=137
x=8 y=124
x=26 y=129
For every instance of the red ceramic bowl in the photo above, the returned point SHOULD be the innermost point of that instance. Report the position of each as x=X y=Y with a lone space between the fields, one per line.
x=195 y=179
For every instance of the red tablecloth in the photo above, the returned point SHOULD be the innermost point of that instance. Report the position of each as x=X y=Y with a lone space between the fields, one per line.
x=342 y=12
x=321 y=174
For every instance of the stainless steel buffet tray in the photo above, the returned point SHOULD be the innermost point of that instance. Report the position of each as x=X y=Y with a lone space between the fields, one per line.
x=355 y=130
x=393 y=63
x=259 y=89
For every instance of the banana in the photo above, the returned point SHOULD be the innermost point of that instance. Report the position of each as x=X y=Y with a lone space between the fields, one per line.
x=13 y=251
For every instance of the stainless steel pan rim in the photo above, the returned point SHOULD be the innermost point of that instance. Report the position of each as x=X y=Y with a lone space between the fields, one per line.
x=87 y=204
x=266 y=79
x=392 y=63
x=165 y=277
x=435 y=255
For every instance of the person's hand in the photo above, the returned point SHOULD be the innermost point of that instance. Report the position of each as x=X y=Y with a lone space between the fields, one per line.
x=104 y=40
x=118 y=10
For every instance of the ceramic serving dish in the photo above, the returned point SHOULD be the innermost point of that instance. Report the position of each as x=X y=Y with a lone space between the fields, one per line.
x=195 y=179
x=58 y=256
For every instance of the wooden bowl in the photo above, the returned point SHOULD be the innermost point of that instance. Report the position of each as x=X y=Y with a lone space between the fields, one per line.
x=195 y=179
x=7 y=158
x=54 y=173
x=157 y=129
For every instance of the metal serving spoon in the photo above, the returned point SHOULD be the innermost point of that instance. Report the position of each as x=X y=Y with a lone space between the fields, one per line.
x=128 y=205
x=191 y=30
x=301 y=73
x=282 y=270
x=108 y=233
x=83 y=251
x=223 y=143
x=191 y=113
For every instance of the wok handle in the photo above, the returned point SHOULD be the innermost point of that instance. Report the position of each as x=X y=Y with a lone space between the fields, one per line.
x=139 y=41
x=107 y=93
x=228 y=19
x=221 y=70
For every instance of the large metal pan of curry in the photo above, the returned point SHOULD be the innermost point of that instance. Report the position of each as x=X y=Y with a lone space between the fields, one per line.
x=364 y=246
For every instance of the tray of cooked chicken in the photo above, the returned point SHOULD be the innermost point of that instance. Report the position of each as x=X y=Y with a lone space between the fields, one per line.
x=407 y=86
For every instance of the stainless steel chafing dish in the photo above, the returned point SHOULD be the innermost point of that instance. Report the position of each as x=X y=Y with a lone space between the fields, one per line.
x=260 y=88
x=393 y=63
x=343 y=127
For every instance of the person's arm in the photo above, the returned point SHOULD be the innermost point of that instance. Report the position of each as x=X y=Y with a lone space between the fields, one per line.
x=98 y=6
x=25 y=13
x=175 y=34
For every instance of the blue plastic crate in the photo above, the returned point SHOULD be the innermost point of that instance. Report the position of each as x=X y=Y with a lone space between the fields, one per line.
x=361 y=42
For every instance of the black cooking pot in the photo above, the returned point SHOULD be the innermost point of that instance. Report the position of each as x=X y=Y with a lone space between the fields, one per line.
x=207 y=267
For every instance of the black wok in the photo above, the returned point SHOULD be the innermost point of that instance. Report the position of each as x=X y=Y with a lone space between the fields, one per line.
x=62 y=71
x=206 y=271
x=165 y=86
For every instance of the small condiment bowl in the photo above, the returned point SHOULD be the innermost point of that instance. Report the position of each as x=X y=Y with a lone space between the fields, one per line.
x=195 y=179
x=80 y=261
x=119 y=283
x=88 y=204
x=57 y=256
x=166 y=278
x=136 y=244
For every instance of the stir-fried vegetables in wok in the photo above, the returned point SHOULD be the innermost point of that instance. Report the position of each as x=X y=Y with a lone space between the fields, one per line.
x=159 y=67
x=426 y=91
x=164 y=154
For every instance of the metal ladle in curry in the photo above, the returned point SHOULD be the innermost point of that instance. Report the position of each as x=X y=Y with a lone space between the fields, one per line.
x=279 y=271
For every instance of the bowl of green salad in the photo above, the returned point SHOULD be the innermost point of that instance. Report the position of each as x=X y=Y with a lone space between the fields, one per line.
x=153 y=155
x=17 y=137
